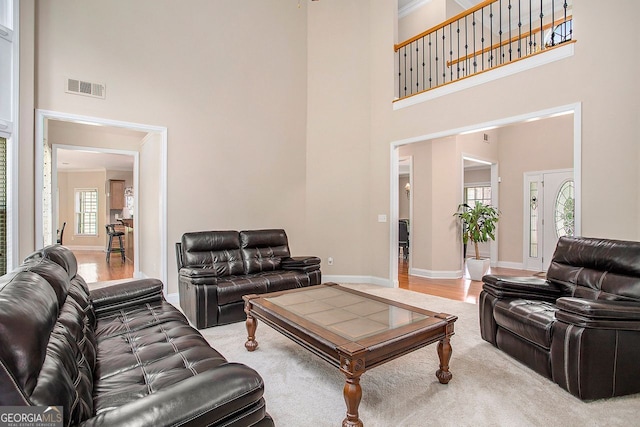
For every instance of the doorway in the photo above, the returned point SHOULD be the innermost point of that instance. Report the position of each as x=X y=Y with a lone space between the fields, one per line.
x=152 y=167
x=572 y=109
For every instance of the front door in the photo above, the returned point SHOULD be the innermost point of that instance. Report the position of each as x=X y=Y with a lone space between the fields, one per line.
x=548 y=214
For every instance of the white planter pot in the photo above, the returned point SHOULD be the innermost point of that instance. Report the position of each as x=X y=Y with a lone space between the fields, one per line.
x=478 y=268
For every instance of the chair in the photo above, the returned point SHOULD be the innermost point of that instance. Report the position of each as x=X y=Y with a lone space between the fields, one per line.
x=60 y=233
x=403 y=238
x=112 y=232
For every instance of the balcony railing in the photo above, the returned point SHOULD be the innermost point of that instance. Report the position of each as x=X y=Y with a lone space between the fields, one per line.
x=492 y=34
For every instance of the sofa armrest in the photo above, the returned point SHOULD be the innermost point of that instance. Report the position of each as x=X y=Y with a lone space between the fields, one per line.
x=599 y=313
x=301 y=263
x=199 y=276
x=521 y=287
x=127 y=294
x=214 y=397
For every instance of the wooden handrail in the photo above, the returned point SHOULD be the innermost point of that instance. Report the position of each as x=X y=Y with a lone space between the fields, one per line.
x=444 y=24
x=511 y=40
x=484 y=71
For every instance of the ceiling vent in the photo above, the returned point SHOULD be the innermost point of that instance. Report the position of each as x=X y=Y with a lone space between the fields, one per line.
x=81 y=87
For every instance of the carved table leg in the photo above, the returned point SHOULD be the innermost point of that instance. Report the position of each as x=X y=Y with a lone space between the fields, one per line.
x=352 y=368
x=252 y=324
x=352 y=396
x=444 y=353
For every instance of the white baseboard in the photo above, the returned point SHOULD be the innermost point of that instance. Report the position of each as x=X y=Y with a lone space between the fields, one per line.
x=86 y=248
x=357 y=279
x=435 y=274
x=512 y=265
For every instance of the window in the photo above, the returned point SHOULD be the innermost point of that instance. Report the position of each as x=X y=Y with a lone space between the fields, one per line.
x=86 y=207
x=480 y=193
x=564 y=211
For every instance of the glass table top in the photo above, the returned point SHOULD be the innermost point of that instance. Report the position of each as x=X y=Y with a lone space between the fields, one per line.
x=349 y=315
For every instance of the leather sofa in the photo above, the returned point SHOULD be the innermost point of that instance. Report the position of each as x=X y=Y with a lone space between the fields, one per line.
x=114 y=356
x=581 y=326
x=216 y=268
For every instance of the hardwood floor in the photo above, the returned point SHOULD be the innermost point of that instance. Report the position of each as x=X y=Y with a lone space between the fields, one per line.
x=93 y=267
x=463 y=289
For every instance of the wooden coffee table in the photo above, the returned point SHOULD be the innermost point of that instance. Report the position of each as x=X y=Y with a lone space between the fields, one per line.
x=352 y=330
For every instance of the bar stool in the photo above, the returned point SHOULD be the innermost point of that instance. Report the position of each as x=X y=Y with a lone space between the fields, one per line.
x=111 y=231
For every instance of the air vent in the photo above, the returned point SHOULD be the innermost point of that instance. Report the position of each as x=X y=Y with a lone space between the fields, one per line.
x=81 y=87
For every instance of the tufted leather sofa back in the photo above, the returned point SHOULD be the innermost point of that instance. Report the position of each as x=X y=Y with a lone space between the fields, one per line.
x=217 y=250
x=263 y=250
x=597 y=268
x=47 y=343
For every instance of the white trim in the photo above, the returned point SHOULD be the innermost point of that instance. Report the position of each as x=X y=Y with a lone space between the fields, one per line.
x=357 y=279
x=512 y=265
x=42 y=115
x=434 y=274
x=411 y=7
x=525 y=64
x=13 y=144
x=576 y=108
x=85 y=248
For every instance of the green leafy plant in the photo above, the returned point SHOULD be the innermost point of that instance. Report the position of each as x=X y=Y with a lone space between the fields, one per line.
x=478 y=223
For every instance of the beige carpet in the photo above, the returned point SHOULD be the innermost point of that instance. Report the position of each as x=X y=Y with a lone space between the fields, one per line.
x=488 y=387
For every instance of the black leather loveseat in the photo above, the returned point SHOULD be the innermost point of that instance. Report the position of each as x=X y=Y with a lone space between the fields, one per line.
x=216 y=268
x=581 y=326
x=116 y=356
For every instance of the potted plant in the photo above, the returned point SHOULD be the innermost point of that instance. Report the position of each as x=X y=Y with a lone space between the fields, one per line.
x=478 y=225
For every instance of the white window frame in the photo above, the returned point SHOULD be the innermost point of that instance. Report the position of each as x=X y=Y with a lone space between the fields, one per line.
x=78 y=211
x=9 y=128
x=478 y=185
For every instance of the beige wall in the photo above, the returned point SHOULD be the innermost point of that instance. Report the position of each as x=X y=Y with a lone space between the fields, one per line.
x=403 y=200
x=228 y=80
x=149 y=211
x=296 y=132
x=528 y=147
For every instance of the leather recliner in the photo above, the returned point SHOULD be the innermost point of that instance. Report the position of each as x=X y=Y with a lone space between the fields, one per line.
x=216 y=268
x=581 y=326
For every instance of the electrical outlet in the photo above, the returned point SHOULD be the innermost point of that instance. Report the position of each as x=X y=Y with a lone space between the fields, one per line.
x=330 y=260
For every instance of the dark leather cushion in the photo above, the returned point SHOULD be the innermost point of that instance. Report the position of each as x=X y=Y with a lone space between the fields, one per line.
x=263 y=250
x=216 y=250
x=597 y=268
x=529 y=319
x=60 y=255
x=28 y=312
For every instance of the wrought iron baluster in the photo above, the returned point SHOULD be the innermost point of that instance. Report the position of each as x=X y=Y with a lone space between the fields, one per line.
x=475 y=58
x=519 y=28
x=404 y=50
x=491 y=35
x=430 y=62
x=399 y=76
x=451 y=52
x=541 y=27
x=444 y=57
x=436 y=64
x=423 y=70
x=500 y=33
x=510 y=36
x=410 y=70
x=553 y=20
x=458 y=61
x=532 y=44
